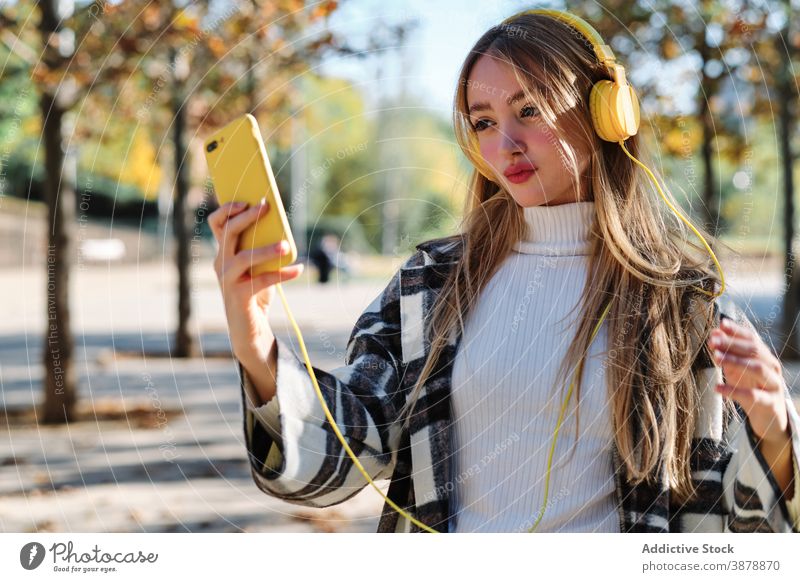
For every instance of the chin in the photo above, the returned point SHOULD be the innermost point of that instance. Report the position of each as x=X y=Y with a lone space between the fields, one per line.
x=526 y=199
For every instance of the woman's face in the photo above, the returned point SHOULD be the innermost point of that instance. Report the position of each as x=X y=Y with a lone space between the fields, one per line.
x=512 y=134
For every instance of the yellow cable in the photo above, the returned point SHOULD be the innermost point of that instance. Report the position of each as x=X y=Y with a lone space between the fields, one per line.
x=708 y=248
x=558 y=425
x=328 y=414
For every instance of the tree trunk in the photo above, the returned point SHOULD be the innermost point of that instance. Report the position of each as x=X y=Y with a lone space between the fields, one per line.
x=710 y=201
x=786 y=127
x=60 y=386
x=185 y=346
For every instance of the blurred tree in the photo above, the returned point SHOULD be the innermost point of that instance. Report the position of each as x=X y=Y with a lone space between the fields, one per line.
x=69 y=42
x=771 y=29
x=667 y=40
x=347 y=178
x=742 y=57
x=241 y=58
x=96 y=53
x=787 y=45
x=57 y=97
x=751 y=73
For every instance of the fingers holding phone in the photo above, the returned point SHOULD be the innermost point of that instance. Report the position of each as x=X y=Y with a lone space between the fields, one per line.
x=228 y=227
x=246 y=298
x=232 y=265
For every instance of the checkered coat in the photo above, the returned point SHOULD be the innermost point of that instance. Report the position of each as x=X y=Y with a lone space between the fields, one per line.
x=294 y=455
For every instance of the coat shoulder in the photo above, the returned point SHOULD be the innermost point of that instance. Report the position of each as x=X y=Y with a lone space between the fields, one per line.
x=724 y=306
x=439 y=250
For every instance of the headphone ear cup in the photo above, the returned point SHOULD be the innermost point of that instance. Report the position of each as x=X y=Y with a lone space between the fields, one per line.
x=627 y=108
x=600 y=104
x=614 y=110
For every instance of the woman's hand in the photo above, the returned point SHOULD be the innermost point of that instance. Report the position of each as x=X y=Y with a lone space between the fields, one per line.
x=247 y=299
x=754 y=379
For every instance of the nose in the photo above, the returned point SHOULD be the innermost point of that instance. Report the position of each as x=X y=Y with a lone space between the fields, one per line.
x=511 y=143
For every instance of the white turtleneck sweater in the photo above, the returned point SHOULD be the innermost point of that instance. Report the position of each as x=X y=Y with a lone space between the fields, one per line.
x=506 y=402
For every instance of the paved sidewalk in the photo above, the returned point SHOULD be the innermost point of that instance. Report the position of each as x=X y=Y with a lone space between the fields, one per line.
x=188 y=473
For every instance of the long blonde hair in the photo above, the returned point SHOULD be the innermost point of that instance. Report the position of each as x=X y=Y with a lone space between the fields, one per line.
x=642 y=257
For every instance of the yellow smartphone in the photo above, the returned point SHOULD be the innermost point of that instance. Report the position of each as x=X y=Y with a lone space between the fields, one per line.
x=241 y=172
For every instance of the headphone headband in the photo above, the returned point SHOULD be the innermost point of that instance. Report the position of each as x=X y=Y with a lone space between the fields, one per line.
x=603 y=52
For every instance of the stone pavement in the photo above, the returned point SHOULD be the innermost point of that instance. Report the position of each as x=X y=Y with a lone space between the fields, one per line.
x=188 y=471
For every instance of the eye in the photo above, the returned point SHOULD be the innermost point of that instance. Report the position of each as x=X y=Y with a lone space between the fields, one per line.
x=478 y=125
x=528 y=109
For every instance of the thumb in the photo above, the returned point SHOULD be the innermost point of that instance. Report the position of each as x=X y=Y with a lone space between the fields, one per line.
x=270 y=279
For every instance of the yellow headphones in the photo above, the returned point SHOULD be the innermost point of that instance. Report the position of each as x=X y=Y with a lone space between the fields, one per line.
x=613 y=104
x=615 y=116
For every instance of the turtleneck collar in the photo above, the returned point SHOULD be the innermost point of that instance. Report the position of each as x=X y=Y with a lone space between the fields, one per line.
x=557 y=230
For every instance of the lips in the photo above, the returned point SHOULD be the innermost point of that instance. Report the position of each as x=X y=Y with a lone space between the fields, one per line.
x=519 y=173
x=518 y=169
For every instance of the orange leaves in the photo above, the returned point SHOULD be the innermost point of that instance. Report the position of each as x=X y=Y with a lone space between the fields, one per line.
x=217 y=47
x=323 y=9
x=151 y=16
x=184 y=21
x=670 y=49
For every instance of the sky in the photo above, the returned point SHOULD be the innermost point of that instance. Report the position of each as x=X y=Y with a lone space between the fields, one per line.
x=429 y=61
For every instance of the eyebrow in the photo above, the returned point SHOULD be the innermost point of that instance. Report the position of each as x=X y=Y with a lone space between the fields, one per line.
x=484 y=105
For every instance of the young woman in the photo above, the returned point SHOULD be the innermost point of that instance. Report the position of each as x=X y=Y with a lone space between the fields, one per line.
x=456 y=378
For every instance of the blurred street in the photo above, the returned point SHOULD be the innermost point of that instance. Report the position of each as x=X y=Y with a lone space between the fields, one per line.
x=186 y=474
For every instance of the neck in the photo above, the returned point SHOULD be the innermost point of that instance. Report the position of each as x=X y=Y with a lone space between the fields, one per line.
x=557 y=230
